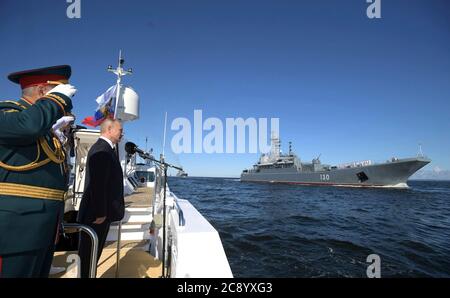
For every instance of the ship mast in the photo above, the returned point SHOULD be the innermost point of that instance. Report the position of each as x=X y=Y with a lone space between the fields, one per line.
x=420 y=153
x=275 y=144
x=119 y=72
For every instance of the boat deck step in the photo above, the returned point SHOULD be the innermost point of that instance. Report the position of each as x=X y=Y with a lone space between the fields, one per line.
x=135 y=262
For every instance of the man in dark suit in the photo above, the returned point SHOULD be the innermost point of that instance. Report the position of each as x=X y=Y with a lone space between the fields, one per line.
x=102 y=201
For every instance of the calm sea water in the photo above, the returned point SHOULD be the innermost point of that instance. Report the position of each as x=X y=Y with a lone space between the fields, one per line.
x=277 y=230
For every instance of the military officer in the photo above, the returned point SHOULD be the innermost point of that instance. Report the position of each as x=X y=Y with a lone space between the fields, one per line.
x=32 y=183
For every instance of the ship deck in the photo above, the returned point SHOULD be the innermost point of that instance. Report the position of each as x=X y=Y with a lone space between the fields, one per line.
x=134 y=262
x=140 y=198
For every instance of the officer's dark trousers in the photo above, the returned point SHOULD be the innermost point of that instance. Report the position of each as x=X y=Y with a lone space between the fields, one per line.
x=84 y=248
x=35 y=263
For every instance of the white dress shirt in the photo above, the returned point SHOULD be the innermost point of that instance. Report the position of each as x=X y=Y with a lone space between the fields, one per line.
x=108 y=140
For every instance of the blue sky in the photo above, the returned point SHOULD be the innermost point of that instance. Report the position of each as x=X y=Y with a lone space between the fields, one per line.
x=348 y=87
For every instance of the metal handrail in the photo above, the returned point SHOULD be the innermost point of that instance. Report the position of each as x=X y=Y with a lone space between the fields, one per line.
x=181 y=220
x=94 y=245
x=119 y=234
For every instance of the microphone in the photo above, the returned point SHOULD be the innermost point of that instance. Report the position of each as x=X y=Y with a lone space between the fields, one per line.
x=132 y=148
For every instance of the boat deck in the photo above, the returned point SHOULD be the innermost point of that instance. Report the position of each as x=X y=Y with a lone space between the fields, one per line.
x=135 y=261
x=141 y=198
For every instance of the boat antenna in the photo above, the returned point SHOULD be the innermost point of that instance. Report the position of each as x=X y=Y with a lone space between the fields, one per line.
x=119 y=72
x=164 y=138
x=290 y=148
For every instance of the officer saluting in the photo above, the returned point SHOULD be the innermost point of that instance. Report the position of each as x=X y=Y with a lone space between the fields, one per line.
x=32 y=184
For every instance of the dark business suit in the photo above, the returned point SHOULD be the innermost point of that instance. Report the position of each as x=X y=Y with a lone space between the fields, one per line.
x=103 y=196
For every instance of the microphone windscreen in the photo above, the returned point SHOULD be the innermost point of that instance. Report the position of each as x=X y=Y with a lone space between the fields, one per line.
x=130 y=147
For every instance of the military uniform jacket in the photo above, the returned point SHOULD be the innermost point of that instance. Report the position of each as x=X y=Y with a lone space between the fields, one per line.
x=32 y=184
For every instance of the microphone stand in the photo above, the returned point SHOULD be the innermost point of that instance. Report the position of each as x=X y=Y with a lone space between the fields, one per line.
x=165 y=165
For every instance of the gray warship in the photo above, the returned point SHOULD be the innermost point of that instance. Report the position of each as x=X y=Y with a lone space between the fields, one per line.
x=182 y=173
x=276 y=167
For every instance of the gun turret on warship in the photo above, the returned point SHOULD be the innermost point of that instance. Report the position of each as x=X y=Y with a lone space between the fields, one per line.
x=276 y=167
